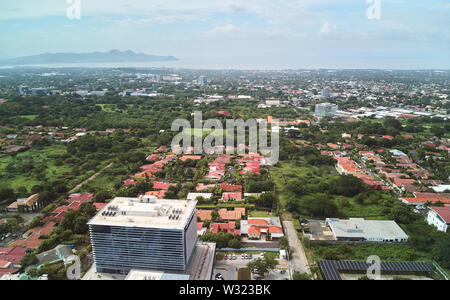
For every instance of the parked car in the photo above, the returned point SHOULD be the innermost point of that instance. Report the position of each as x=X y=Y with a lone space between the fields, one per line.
x=283 y=272
x=243 y=256
x=261 y=255
x=225 y=257
x=250 y=256
x=219 y=276
x=234 y=257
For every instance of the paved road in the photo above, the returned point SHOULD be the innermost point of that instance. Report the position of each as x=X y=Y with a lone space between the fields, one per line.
x=298 y=261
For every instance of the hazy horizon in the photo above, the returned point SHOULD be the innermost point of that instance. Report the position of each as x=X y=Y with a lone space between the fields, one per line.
x=251 y=34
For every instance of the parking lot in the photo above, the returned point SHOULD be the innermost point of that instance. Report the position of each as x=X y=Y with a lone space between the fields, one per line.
x=229 y=267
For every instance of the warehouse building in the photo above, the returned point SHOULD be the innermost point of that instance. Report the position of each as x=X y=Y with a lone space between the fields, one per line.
x=358 y=229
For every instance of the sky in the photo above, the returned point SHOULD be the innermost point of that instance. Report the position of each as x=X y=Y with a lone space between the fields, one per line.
x=240 y=34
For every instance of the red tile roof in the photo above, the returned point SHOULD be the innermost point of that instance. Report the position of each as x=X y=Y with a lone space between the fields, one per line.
x=275 y=229
x=129 y=182
x=158 y=185
x=204 y=214
x=425 y=200
x=191 y=157
x=231 y=188
x=231 y=196
x=444 y=212
x=201 y=187
x=254 y=230
x=100 y=206
x=235 y=214
x=159 y=194
x=257 y=222
x=199 y=226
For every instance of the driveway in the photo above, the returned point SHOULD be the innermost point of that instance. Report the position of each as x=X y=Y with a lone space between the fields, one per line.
x=298 y=261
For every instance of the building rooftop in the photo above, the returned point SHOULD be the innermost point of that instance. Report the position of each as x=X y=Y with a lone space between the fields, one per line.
x=145 y=211
x=358 y=227
x=154 y=275
x=443 y=212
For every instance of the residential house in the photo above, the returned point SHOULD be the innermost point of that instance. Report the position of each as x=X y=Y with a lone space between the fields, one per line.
x=439 y=217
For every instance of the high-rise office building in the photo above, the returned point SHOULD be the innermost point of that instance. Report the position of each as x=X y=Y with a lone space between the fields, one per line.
x=326 y=93
x=202 y=80
x=326 y=110
x=144 y=233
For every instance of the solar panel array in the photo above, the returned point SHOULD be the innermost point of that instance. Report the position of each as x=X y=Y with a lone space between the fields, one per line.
x=331 y=268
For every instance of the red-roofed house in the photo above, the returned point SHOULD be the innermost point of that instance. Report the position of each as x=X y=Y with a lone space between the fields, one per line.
x=215 y=175
x=191 y=157
x=402 y=183
x=439 y=217
x=204 y=215
x=200 y=229
x=416 y=201
x=228 y=215
x=201 y=187
x=154 y=157
x=158 y=185
x=230 y=187
x=100 y=206
x=254 y=228
x=33 y=236
x=254 y=232
x=75 y=202
x=13 y=255
x=129 y=182
x=235 y=196
x=158 y=194
x=229 y=227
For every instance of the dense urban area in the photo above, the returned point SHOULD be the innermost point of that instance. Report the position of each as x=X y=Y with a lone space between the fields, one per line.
x=87 y=171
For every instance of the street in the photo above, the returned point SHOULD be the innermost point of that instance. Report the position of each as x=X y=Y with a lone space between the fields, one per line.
x=298 y=261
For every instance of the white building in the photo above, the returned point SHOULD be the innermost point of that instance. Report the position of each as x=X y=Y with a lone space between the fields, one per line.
x=439 y=217
x=358 y=229
x=194 y=196
x=326 y=92
x=326 y=110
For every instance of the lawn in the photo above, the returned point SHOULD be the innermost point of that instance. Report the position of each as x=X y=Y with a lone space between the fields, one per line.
x=259 y=214
x=38 y=159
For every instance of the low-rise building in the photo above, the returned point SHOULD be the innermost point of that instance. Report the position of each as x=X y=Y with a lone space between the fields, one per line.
x=358 y=229
x=439 y=217
x=256 y=228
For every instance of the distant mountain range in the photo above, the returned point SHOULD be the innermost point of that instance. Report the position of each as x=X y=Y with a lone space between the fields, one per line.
x=113 y=56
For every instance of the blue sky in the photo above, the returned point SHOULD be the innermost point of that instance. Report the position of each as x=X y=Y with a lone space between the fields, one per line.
x=410 y=34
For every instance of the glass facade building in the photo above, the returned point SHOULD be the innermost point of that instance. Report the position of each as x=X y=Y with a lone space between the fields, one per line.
x=119 y=249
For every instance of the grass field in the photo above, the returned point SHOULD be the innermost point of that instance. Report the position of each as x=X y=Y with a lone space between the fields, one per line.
x=39 y=158
x=347 y=206
x=259 y=214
